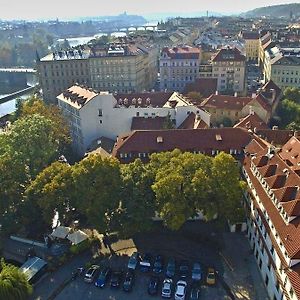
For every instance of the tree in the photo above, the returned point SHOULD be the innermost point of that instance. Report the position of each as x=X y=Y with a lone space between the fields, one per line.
x=293 y=94
x=13 y=283
x=25 y=150
x=60 y=128
x=137 y=198
x=97 y=184
x=195 y=97
x=227 y=187
x=50 y=192
x=175 y=186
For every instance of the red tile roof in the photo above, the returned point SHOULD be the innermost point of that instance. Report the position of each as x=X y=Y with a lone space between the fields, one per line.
x=204 y=86
x=276 y=137
x=229 y=54
x=252 y=122
x=141 y=123
x=186 y=52
x=226 y=102
x=250 y=35
x=204 y=140
x=193 y=122
x=290 y=152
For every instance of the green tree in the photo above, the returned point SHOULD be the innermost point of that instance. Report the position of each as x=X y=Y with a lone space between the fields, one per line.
x=176 y=185
x=50 y=192
x=293 y=94
x=227 y=187
x=137 y=197
x=97 y=184
x=195 y=97
x=13 y=283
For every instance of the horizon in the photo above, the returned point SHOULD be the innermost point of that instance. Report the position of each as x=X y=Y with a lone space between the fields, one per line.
x=29 y=10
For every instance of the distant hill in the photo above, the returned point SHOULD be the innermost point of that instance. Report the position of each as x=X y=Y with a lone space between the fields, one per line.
x=283 y=10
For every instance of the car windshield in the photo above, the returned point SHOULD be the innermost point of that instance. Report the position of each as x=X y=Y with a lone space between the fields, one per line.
x=211 y=276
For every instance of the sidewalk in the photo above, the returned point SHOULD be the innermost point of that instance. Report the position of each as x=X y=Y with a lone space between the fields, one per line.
x=241 y=271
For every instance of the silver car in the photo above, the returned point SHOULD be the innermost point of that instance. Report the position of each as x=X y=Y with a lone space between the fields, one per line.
x=167 y=287
x=196 y=272
x=133 y=261
x=91 y=274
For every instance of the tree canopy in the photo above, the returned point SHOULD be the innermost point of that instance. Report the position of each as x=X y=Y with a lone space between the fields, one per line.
x=13 y=283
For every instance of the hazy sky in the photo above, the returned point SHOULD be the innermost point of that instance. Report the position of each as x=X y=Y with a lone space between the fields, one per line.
x=34 y=9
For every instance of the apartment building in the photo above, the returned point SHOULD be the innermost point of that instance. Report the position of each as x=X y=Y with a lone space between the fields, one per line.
x=224 y=107
x=229 y=67
x=264 y=42
x=61 y=69
x=251 y=40
x=115 y=68
x=96 y=114
x=272 y=204
x=178 y=67
x=123 y=68
x=282 y=65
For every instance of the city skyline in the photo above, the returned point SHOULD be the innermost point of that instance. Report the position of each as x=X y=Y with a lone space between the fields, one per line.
x=33 y=9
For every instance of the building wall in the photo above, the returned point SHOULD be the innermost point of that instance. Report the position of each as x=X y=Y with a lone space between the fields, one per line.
x=87 y=124
x=285 y=75
x=57 y=75
x=269 y=262
x=230 y=75
x=252 y=48
x=115 y=74
x=176 y=73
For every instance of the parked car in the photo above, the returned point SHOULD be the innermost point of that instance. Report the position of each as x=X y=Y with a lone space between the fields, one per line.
x=103 y=277
x=116 y=279
x=195 y=293
x=128 y=281
x=211 y=276
x=158 y=264
x=196 y=272
x=171 y=267
x=184 y=269
x=133 y=261
x=145 y=263
x=180 y=291
x=167 y=288
x=91 y=274
x=153 y=285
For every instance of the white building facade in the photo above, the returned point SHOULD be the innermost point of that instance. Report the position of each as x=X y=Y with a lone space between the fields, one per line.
x=93 y=115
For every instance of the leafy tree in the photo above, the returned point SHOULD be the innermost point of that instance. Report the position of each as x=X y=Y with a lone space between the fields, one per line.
x=97 y=184
x=50 y=192
x=195 y=97
x=60 y=128
x=293 y=94
x=175 y=186
x=227 y=187
x=25 y=150
x=138 y=199
x=13 y=283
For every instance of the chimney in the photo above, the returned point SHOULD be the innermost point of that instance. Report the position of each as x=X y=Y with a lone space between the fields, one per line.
x=273 y=95
x=217 y=93
x=235 y=94
x=251 y=111
x=159 y=139
x=253 y=95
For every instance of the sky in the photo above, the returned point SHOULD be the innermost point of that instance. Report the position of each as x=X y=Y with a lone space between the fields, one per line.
x=38 y=9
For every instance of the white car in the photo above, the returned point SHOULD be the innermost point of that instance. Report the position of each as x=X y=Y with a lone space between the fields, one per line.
x=166 y=291
x=180 y=291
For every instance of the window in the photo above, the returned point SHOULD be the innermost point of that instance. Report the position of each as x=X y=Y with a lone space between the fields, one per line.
x=100 y=121
x=100 y=112
x=267 y=280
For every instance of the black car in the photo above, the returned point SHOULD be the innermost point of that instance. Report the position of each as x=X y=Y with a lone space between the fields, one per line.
x=145 y=262
x=116 y=279
x=171 y=268
x=184 y=269
x=158 y=264
x=128 y=281
x=195 y=293
x=153 y=285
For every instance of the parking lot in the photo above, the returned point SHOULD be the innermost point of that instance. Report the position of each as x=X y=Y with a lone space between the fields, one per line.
x=196 y=242
x=78 y=289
